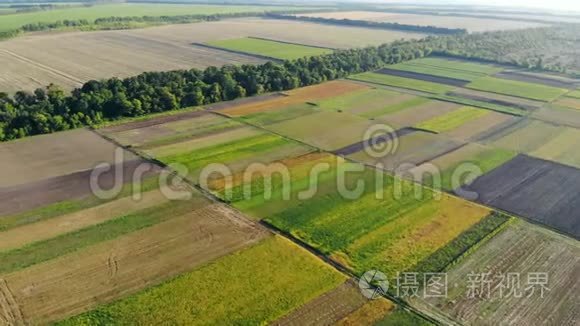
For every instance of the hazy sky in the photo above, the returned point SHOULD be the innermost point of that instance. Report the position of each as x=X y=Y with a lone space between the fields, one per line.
x=562 y=5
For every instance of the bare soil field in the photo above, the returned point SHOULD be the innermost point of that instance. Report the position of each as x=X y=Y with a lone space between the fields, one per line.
x=68 y=59
x=425 y=77
x=74 y=186
x=471 y=24
x=328 y=308
x=520 y=248
x=82 y=56
x=41 y=157
x=53 y=227
x=539 y=190
x=123 y=266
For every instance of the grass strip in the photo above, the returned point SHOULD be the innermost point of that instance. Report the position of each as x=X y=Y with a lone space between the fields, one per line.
x=41 y=251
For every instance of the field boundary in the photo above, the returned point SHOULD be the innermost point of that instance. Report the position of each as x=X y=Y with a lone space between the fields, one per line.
x=259 y=56
x=292 y=43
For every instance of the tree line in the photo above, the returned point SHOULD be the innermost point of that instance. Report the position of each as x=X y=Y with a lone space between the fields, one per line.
x=51 y=109
x=371 y=24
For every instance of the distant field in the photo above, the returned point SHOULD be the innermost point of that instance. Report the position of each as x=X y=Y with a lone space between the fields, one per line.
x=471 y=24
x=256 y=285
x=383 y=79
x=517 y=88
x=574 y=94
x=15 y=21
x=447 y=68
x=521 y=248
x=69 y=59
x=452 y=120
x=273 y=49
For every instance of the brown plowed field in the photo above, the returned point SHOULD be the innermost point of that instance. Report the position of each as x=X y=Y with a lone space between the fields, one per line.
x=20 y=198
x=41 y=157
x=122 y=266
x=328 y=308
x=521 y=248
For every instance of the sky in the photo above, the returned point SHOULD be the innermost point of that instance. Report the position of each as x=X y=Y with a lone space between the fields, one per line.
x=561 y=5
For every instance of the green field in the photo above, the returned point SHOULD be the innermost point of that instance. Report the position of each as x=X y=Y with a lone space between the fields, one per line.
x=251 y=287
x=517 y=88
x=45 y=250
x=15 y=21
x=418 y=67
x=389 y=80
x=272 y=49
x=236 y=154
x=484 y=158
x=452 y=120
x=456 y=65
x=269 y=117
x=574 y=94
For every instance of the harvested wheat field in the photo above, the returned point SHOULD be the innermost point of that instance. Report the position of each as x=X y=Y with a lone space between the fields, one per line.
x=369 y=314
x=69 y=59
x=471 y=24
x=521 y=249
x=41 y=157
x=125 y=265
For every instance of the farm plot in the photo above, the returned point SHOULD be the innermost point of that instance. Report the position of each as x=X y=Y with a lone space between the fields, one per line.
x=338 y=130
x=415 y=114
x=49 y=228
x=457 y=69
x=331 y=307
x=269 y=48
x=389 y=80
x=113 y=269
x=475 y=129
x=517 y=88
x=295 y=97
x=517 y=103
x=33 y=159
x=412 y=150
x=370 y=233
x=525 y=136
x=562 y=148
x=406 y=73
x=568 y=102
x=124 y=10
x=525 y=186
x=452 y=120
x=235 y=154
x=536 y=78
x=250 y=293
x=460 y=166
x=472 y=24
x=369 y=314
x=558 y=115
x=167 y=130
x=38 y=199
x=574 y=94
x=520 y=249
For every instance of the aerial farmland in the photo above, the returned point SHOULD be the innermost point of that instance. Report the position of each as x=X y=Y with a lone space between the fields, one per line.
x=287 y=164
